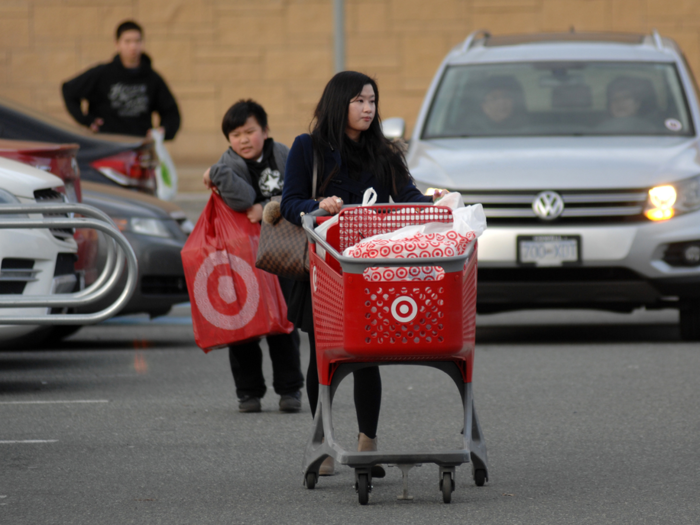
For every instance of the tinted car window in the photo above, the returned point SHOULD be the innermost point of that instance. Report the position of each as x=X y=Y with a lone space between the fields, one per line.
x=562 y=98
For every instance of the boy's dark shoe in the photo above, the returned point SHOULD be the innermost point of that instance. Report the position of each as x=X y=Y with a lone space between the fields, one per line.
x=249 y=404
x=290 y=402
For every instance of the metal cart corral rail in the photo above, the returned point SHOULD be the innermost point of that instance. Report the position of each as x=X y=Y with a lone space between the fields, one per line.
x=119 y=253
x=360 y=323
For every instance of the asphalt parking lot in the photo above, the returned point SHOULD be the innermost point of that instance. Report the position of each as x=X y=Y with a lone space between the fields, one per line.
x=588 y=417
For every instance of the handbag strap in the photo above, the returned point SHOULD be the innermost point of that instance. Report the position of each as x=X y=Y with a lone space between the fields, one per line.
x=315 y=177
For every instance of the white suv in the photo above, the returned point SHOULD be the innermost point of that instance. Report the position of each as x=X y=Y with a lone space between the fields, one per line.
x=36 y=261
x=584 y=151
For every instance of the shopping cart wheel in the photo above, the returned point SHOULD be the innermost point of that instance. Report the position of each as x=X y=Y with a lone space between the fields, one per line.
x=480 y=477
x=447 y=486
x=310 y=480
x=363 y=488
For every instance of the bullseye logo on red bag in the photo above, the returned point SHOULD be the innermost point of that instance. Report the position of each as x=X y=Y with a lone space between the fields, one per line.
x=226 y=302
x=404 y=309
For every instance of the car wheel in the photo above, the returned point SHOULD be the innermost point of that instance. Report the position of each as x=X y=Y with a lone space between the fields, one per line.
x=690 y=322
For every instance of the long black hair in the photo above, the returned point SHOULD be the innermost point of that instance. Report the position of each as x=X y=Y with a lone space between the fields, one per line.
x=384 y=158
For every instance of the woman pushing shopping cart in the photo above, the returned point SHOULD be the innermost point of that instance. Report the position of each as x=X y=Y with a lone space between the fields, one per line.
x=357 y=315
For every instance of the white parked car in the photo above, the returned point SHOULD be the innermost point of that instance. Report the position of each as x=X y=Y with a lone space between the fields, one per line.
x=32 y=261
x=585 y=151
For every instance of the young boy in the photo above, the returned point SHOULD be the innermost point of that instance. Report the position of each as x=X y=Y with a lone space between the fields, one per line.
x=247 y=175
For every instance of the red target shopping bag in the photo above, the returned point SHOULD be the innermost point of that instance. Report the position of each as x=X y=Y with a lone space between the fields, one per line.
x=232 y=301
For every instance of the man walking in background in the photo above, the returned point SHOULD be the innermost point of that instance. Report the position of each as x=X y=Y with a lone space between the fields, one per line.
x=123 y=94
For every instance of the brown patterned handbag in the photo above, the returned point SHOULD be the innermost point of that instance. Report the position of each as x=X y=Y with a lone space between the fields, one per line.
x=284 y=248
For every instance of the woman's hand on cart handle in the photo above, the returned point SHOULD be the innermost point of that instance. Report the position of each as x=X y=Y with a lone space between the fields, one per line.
x=332 y=204
x=439 y=194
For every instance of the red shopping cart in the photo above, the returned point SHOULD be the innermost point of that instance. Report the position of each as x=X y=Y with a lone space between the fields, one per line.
x=360 y=322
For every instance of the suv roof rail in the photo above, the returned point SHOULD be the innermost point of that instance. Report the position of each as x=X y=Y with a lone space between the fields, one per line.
x=472 y=37
x=657 y=39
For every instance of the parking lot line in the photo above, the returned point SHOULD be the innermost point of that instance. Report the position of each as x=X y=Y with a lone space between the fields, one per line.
x=54 y=402
x=28 y=441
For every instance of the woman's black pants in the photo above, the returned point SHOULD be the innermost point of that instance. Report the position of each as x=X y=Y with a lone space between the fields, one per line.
x=367 y=392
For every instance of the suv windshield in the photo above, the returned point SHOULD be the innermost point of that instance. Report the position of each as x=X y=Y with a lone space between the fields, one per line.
x=562 y=98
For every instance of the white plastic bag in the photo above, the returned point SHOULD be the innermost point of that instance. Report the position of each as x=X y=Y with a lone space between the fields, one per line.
x=466 y=218
x=370 y=197
x=452 y=200
x=166 y=175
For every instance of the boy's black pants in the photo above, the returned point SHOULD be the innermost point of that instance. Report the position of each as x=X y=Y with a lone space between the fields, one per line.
x=246 y=361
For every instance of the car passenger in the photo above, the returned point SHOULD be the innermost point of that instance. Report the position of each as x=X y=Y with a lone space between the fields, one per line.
x=494 y=107
x=630 y=101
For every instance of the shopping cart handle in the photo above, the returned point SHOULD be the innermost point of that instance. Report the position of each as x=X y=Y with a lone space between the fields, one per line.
x=320 y=212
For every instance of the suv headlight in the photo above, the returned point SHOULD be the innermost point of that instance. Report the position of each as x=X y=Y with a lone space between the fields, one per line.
x=674 y=199
x=143 y=226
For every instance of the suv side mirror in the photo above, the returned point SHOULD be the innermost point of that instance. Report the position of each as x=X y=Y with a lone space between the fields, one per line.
x=394 y=128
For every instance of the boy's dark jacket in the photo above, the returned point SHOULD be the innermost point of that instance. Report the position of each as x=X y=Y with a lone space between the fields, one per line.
x=123 y=98
x=233 y=180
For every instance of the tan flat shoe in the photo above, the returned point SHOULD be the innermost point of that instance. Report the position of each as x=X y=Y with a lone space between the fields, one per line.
x=365 y=444
x=327 y=468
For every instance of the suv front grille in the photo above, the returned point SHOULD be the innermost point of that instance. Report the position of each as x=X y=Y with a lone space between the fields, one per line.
x=580 y=207
x=50 y=196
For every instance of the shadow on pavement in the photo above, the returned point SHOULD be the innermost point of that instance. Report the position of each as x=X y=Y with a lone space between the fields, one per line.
x=579 y=333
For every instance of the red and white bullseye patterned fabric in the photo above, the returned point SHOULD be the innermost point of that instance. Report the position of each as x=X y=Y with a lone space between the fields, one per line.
x=419 y=245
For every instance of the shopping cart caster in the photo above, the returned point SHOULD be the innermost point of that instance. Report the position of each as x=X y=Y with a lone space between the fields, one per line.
x=447 y=486
x=363 y=486
x=311 y=478
x=480 y=477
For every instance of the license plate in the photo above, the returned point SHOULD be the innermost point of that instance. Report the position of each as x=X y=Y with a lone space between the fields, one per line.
x=549 y=250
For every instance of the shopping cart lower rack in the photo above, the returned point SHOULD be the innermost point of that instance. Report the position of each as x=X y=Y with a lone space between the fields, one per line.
x=360 y=322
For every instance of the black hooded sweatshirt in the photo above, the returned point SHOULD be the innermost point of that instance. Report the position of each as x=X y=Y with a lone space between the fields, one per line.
x=124 y=98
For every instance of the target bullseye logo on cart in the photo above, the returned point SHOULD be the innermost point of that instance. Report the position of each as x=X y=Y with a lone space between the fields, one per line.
x=404 y=309
x=226 y=291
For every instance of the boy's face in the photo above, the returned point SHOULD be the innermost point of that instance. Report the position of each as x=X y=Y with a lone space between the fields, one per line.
x=130 y=47
x=248 y=140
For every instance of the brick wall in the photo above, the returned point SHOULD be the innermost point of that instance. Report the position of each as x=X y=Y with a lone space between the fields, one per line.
x=280 y=52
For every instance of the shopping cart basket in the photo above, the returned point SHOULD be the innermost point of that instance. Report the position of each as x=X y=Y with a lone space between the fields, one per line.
x=360 y=323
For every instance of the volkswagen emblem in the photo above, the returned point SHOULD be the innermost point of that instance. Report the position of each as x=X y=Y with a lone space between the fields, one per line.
x=548 y=205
